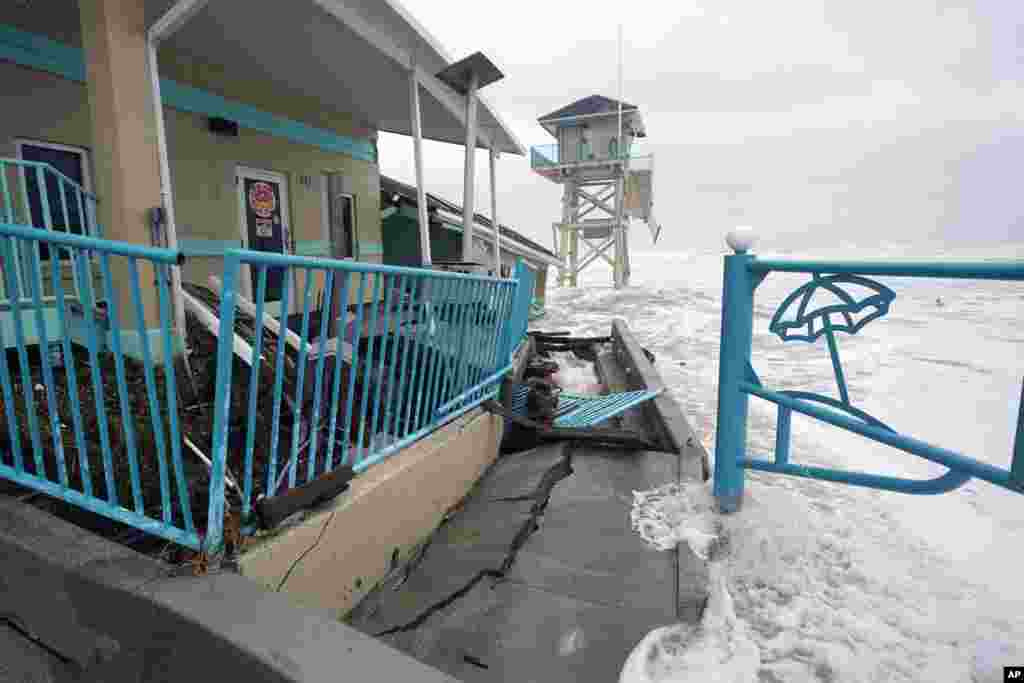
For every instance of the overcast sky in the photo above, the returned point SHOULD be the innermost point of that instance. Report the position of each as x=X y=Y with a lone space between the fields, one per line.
x=895 y=119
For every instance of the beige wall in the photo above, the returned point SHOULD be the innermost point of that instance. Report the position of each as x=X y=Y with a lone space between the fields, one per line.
x=35 y=104
x=203 y=168
x=38 y=105
x=348 y=547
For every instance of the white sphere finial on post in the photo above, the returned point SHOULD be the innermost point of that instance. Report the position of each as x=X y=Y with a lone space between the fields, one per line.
x=741 y=239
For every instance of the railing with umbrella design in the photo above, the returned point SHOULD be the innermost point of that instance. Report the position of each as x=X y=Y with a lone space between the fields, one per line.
x=839 y=297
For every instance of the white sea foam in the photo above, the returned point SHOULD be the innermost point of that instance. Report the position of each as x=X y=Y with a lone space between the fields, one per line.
x=673 y=514
x=833 y=583
x=717 y=650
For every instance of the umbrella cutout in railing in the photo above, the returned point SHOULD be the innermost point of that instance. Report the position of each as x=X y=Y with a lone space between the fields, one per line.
x=837 y=303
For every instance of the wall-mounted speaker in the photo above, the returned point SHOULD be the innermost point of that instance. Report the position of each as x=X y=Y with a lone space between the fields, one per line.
x=225 y=127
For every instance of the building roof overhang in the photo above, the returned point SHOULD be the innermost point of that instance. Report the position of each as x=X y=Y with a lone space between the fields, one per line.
x=353 y=56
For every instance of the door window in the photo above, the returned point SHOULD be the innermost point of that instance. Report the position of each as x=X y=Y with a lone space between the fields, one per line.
x=265 y=226
x=342 y=212
x=72 y=163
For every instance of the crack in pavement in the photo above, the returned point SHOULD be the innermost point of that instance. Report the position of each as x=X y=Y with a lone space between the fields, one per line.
x=559 y=471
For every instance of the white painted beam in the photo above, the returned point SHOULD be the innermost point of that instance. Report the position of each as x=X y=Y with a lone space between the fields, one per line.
x=469 y=168
x=596 y=251
x=173 y=19
x=494 y=212
x=417 y=147
x=293 y=340
x=382 y=42
x=211 y=322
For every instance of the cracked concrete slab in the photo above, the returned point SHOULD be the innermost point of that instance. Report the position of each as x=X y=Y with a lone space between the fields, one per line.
x=400 y=605
x=23 y=661
x=510 y=632
x=478 y=540
x=522 y=475
x=585 y=546
x=483 y=525
x=600 y=474
x=581 y=590
x=582 y=587
x=587 y=549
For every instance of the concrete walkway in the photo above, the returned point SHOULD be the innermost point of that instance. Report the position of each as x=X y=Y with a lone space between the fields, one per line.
x=538 y=576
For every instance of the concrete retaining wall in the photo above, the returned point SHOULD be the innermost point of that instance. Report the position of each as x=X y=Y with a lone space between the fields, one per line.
x=662 y=415
x=336 y=555
x=74 y=607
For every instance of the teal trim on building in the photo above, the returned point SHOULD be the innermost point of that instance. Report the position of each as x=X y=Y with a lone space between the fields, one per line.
x=196 y=248
x=39 y=52
x=371 y=248
x=193 y=248
x=313 y=248
x=187 y=98
x=131 y=344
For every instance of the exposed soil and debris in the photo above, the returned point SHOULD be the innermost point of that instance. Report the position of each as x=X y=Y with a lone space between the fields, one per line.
x=194 y=415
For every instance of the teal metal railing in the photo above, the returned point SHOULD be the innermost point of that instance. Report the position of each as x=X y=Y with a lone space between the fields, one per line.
x=420 y=347
x=72 y=426
x=838 y=297
x=520 y=315
x=34 y=194
x=90 y=409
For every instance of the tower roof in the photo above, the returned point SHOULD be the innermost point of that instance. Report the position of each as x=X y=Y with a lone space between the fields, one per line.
x=594 y=105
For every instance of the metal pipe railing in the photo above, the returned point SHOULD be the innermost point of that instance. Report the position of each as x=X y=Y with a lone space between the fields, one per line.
x=426 y=348
x=855 y=301
x=124 y=465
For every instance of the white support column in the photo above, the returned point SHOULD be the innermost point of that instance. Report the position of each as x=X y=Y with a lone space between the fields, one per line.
x=568 y=217
x=167 y=193
x=620 y=243
x=494 y=212
x=574 y=233
x=470 y=171
x=173 y=19
x=421 y=191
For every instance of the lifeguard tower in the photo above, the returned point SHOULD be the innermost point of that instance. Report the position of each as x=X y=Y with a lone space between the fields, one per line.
x=606 y=183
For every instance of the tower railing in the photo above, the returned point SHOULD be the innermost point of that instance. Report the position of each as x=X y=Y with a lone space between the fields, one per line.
x=547 y=157
x=839 y=297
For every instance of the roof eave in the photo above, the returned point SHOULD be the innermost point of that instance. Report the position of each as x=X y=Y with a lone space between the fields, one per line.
x=514 y=145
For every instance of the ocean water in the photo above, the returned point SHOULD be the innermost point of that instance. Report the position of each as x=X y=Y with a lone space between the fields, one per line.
x=835 y=583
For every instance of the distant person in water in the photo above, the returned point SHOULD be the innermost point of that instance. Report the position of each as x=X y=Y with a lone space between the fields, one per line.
x=939 y=302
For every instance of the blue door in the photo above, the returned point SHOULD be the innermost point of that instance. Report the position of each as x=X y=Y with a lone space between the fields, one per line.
x=266 y=226
x=70 y=162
